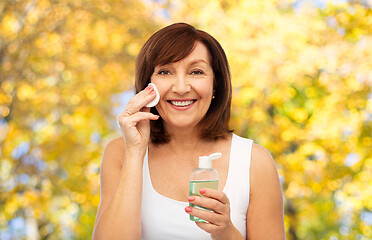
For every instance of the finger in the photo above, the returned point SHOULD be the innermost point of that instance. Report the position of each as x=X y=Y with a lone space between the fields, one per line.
x=212 y=193
x=143 y=116
x=139 y=101
x=209 y=216
x=134 y=119
x=209 y=203
x=209 y=228
x=145 y=109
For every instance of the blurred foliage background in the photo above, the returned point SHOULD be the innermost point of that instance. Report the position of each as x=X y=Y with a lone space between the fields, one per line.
x=302 y=78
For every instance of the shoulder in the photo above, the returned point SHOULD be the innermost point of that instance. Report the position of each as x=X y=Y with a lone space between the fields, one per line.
x=114 y=152
x=116 y=144
x=264 y=174
x=262 y=159
x=257 y=152
x=265 y=211
x=111 y=164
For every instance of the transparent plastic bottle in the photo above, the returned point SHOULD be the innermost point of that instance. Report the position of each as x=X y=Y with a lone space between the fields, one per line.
x=203 y=177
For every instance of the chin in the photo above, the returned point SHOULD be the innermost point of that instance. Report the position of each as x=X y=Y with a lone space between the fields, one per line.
x=183 y=126
x=183 y=123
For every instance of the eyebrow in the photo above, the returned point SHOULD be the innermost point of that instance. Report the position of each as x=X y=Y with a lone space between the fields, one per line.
x=196 y=61
x=193 y=62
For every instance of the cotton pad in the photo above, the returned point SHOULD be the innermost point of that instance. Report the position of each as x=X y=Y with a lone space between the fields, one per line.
x=157 y=98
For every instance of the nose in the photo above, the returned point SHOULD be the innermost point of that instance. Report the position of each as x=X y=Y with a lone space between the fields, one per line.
x=180 y=85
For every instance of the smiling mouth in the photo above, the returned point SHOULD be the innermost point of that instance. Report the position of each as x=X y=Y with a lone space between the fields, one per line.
x=182 y=103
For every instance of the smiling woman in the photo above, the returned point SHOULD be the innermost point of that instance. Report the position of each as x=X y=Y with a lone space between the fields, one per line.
x=145 y=173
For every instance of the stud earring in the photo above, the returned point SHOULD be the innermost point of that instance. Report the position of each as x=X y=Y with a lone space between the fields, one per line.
x=213 y=97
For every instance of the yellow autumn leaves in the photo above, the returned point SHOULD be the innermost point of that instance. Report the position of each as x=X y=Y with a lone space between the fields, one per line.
x=302 y=81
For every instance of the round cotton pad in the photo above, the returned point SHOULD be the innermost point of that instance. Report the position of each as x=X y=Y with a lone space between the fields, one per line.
x=157 y=98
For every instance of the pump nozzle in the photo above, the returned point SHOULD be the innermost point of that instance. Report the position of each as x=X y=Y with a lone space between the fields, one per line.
x=206 y=161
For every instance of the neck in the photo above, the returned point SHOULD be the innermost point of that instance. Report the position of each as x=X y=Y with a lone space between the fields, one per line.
x=186 y=141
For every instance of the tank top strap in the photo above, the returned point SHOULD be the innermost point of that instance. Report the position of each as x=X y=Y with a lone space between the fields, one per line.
x=238 y=182
x=240 y=162
x=146 y=173
x=147 y=187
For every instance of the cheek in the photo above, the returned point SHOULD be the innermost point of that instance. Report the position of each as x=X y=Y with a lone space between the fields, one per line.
x=162 y=89
x=204 y=89
x=160 y=85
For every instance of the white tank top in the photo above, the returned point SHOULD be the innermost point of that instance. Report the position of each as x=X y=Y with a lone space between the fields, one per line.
x=163 y=218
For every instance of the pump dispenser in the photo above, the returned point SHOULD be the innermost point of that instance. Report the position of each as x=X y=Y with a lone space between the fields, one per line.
x=203 y=177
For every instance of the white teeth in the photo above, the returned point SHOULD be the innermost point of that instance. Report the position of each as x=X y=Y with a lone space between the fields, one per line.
x=181 y=103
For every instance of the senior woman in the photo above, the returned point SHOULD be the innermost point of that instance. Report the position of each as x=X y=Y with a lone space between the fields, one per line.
x=145 y=173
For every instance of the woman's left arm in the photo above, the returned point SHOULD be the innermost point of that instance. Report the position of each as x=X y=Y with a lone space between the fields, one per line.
x=265 y=216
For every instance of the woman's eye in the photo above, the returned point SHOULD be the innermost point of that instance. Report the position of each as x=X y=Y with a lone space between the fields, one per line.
x=197 y=72
x=163 y=72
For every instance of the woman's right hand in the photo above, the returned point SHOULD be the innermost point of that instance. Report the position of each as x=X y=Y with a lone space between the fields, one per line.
x=134 y=121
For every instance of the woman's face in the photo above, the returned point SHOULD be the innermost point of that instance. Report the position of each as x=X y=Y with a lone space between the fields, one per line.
x=186 y=88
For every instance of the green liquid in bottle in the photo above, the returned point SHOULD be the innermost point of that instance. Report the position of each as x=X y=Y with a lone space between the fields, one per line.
x=194 y=191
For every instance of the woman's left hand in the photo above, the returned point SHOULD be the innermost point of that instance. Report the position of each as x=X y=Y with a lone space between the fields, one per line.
x=219 y=223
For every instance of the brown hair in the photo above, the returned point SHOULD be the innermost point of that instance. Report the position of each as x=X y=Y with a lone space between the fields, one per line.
x=171 y=44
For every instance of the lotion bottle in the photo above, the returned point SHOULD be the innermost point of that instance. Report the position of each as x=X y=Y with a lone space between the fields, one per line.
x=203 y=177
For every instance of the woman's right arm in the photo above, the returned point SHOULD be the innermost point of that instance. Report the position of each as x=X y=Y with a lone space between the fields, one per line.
x=119 y=212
